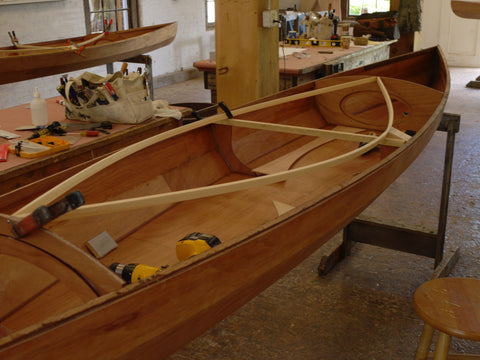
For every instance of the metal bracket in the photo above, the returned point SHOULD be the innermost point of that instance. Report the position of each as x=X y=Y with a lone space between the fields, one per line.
x=402 y=239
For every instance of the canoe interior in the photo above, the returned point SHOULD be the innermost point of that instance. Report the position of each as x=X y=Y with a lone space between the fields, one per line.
x=210 y=155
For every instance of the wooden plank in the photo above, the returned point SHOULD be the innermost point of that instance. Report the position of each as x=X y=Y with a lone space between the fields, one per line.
x=335 y=134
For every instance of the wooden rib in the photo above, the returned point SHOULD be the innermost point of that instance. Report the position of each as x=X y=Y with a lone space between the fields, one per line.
x=63 y=187
x=300 y=130
x=206 y=191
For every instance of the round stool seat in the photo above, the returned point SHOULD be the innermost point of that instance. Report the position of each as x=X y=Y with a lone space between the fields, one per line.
x=450 y=305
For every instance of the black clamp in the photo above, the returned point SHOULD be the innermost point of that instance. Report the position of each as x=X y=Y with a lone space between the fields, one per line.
x=225 y=108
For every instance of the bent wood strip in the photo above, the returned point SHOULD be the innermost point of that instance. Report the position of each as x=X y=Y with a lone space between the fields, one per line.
x=300 y=130
x=63 y=187
x=212 y=190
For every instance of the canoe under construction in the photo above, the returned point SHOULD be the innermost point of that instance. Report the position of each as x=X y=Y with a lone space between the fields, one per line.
x=273 y=181
x=23 y=62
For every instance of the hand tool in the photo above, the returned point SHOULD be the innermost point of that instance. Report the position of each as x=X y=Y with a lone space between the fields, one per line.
x=134 y=272
x=3 y=152
x=194 y=244
x=191 y=245
x=111 y=91
x=8 y=135
x=124 y=68
x=37 y=147
x=88 y=133
x=43 y=215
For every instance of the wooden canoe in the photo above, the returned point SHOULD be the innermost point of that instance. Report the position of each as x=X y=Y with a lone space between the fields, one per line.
x=58 y=300
x=56 y=57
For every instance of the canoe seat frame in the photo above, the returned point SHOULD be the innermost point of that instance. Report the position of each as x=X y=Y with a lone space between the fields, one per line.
x=404 y=239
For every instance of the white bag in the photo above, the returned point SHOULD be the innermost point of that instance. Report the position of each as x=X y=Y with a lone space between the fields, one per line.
x=114 y=98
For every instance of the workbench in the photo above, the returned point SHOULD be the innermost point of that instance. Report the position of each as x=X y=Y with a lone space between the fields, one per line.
x=17 y=172
x=308 y=63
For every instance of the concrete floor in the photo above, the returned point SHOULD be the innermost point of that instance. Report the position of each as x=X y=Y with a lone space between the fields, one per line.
x=363 y=308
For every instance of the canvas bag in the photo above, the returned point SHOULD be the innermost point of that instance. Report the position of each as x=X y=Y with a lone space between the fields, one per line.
x=90 y=98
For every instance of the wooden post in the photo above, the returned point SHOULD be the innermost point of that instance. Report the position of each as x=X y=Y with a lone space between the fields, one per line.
x=246 y=52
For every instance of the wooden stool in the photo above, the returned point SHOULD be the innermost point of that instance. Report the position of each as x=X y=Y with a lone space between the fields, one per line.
x=451 y=306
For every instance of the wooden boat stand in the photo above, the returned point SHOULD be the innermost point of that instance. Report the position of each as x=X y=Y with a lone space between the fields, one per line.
x=404 y=239
x=139 y=59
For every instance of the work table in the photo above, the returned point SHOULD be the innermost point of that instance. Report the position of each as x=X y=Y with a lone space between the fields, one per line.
x=303 y=64
x=17 y=172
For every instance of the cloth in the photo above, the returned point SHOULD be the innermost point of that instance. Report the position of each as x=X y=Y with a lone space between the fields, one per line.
x=161 y=109
x=409 y=16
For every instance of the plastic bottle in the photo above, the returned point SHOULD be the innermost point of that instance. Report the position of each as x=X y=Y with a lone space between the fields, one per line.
x=38 y=110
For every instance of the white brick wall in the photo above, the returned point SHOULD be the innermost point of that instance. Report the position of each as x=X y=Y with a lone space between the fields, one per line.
x=286 y=4
x=63 y=19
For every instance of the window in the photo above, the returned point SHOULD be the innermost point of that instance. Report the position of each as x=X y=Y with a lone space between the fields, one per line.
x=121 y=14
x=358 y=7
x=210 y=14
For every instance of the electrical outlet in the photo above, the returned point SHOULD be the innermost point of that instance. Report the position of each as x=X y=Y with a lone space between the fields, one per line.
x=269 y=17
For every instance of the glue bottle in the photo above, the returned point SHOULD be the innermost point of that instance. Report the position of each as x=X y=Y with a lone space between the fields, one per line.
x=38 y=110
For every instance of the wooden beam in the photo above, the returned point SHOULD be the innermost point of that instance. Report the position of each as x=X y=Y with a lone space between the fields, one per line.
x=246 y=52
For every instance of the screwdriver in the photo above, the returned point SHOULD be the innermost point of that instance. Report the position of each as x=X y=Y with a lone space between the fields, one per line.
x=88 y=133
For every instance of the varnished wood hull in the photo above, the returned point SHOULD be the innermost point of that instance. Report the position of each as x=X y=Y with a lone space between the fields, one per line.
x=116 y=46
x=155 y=317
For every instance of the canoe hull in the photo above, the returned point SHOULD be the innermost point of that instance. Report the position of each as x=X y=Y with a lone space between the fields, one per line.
x=264 y=258
x=116 y=46
x=158 y=316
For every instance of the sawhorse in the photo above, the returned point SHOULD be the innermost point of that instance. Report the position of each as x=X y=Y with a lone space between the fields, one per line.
x=403 y=239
